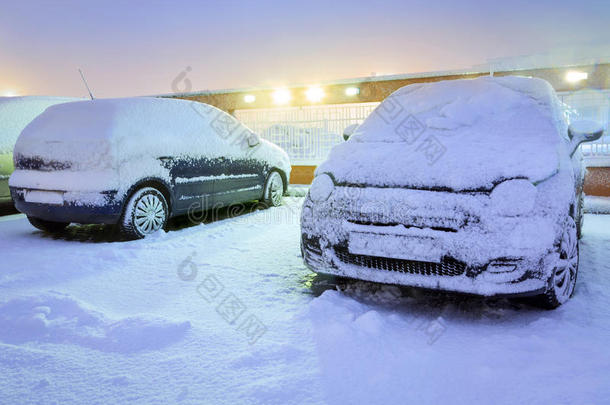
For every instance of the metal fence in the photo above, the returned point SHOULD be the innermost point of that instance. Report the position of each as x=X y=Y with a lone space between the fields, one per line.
x=307 y=134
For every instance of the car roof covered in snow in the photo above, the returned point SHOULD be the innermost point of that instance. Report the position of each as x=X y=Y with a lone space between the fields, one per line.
x=457 y=134
x=129 y=129
x=115 y=118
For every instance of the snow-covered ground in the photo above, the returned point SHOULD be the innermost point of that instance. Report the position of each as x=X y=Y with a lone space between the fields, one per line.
x=597 y=205
x=227 y=313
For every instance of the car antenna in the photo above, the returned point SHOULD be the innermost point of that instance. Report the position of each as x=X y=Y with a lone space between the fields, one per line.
x=85 y=81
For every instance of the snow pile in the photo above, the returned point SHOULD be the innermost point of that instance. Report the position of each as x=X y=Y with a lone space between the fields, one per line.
x=597 y=204
x=58 y=318
x=457 y=134
x=297 y=190
x=17 y=112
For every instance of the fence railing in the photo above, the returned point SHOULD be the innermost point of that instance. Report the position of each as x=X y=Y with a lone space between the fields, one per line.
x=307 y=134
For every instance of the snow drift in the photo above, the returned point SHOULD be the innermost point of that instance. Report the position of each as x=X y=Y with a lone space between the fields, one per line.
x=58 y=318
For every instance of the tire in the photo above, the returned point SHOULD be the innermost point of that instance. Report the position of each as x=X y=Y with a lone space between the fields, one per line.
x=145 y=213
x=48 y=226
x=581 y=215
x=562 y=282
x=274 y=190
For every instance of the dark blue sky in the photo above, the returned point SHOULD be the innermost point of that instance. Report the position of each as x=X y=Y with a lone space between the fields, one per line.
x=138 y=47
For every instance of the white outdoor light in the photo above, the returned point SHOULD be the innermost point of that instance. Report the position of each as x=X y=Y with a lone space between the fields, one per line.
x=352 y=91
x=574 y=76
x=281 y=96
x=314 y=94
x=249 y=98
x=9 y=93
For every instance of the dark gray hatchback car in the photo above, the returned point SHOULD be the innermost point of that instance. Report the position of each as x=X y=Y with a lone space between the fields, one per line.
x=137 y=162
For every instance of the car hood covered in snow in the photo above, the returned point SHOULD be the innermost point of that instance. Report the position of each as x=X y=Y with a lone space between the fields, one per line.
x=457 y=135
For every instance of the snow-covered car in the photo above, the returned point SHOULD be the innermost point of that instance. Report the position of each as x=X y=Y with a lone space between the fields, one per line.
x=471 y=186
x=15 y=114
x=136 y=162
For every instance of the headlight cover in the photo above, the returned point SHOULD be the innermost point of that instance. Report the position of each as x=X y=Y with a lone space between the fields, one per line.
x=321 y=188
x=513 y=197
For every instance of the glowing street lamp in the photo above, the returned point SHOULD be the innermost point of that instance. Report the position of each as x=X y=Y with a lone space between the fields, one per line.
x=574 y=76
x=249 y=98
x=352 y=91
x=9 y=93
x=281 y=96
x=314 y=94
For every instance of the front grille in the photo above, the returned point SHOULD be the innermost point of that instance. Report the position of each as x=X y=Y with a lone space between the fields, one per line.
x=448 y=267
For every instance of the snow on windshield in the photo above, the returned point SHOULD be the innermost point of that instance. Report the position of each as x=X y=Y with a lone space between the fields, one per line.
x=458 y=134
x=467 y=109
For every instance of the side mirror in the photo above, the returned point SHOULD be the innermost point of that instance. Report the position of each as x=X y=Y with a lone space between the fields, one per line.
x=584 y=131
x=253 y=139
x=349 y=130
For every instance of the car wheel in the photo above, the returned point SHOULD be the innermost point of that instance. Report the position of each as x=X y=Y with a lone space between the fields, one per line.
x=563 y=280
x=48 y=226
x=146 y=212
x=274 y=190
x=581 y=216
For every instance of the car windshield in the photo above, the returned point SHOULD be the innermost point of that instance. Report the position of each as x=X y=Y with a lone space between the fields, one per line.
x=467 y=111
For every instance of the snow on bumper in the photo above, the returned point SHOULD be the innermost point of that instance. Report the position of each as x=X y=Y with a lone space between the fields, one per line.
x=65 y=180
x=431 y=239
x=65 y=196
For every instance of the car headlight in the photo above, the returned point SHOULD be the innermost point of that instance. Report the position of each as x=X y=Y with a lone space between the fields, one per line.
x=513 y=197
x=321 y=188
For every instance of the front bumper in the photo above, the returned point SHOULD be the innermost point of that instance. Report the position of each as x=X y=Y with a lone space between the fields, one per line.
x=449 y=275
x=427 y=239
x=82 y=208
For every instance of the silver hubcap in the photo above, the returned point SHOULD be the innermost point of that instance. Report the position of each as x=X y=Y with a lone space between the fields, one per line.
x=565 y=273
x=276 y=188
x=149 y=214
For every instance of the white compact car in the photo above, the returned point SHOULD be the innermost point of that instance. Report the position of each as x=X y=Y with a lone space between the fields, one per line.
x=472 y=186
